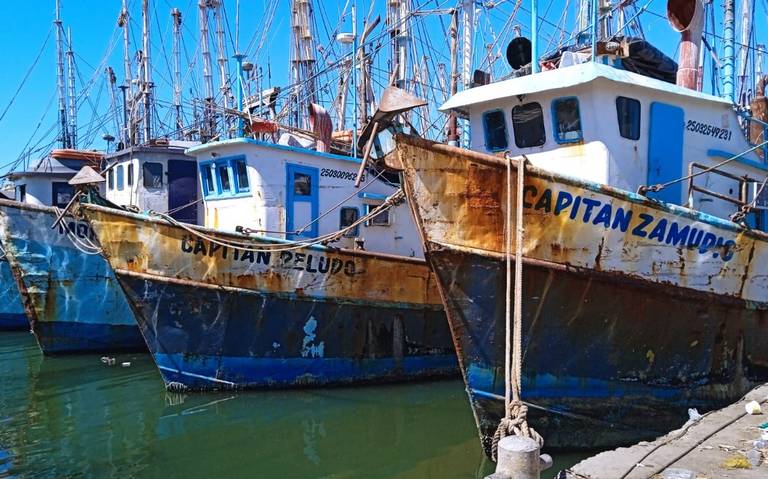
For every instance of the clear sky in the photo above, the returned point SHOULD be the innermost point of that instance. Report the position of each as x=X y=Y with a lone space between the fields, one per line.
x=30 y=119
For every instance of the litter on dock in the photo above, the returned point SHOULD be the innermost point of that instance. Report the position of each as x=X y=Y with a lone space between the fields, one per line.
x=730 y=442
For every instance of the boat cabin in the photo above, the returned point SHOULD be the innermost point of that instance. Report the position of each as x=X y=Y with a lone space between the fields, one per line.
x=46 y=183
x=155 y=177
x=296 y=193
x=608 y=126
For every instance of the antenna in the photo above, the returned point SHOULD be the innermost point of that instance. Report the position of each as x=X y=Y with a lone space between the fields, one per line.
x=147 y=67
x=72 y=99
x=176 y=14
x=63 y=127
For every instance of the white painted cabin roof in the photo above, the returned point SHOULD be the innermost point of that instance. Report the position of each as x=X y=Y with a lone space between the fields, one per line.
x=566 y=77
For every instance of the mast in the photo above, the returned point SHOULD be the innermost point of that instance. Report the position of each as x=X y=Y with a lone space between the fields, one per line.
x=398 y=20
x=728 y=50
x=112 y=80
x=468 y=26
x=218 y=15
x=453 y=127
x=63 y=124
x=71 y=92
x=759 y=62
x=534 y=36
x=147 y=67
x=123 y=21
x=206 y=130
x=744 y=51
x=304 y=90
x=176 y=14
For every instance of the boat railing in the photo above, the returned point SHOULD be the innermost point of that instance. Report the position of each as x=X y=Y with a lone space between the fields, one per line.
x=748 y=190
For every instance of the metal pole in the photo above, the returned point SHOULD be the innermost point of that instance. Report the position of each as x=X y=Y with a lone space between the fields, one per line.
x=176 y=14
x=728 y=50
x=453 y=127
x=222 y=61
x=60 y=79
x=534 y=36
x=206 y=130
x=744 y=50
x=123 y=21
x=240 y=94
x=594 y=29
x=71 y=87
x=147 y=72
x=355 y=126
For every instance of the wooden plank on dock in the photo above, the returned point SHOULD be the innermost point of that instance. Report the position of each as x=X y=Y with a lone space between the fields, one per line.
x=710 y=447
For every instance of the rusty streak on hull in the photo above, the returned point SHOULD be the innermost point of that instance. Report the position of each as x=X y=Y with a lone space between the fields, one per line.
x=218 y=317
x=72 y=299
x=624 y=327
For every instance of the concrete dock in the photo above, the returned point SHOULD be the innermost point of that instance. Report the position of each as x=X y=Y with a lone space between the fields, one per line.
x=721 y=443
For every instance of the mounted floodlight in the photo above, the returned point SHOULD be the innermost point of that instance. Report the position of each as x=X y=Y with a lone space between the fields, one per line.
x=519 y=52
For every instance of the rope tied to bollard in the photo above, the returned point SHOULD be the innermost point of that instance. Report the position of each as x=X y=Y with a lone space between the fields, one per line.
x=515 y=421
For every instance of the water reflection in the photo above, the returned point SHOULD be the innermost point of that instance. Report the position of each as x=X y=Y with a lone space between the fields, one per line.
x=74 y=416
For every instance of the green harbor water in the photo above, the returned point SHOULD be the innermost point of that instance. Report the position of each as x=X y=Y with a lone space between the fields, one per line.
x=77 y=417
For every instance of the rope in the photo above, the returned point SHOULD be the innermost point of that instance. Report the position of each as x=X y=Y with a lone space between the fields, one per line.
x=658 y=187
x=515 y=421
x=291 y=245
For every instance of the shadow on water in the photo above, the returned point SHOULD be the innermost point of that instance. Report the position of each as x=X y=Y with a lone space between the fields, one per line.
x=76 y=417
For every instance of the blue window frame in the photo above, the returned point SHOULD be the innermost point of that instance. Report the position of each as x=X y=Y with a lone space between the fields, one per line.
x=566 y=119
x=120 y=177
x=225 y=177
x=129 y=167
x=111 y=179
x=495 y=129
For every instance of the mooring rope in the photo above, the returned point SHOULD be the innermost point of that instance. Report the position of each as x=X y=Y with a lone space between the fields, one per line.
x=515 y=421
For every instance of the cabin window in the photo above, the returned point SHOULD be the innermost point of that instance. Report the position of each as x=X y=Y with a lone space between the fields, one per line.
x=222 y=172
x=206 y=175
x=528 y=125
x=628 y=115
x=567 y=120
x=349 y=214
x=111 y=179
x=302 y=184
x=153 y=175
x=120 y=178
x=61 y=193
x=21 y=193
x=241 y=175
x=129 y=167
x=382 y=219
x=495 y=126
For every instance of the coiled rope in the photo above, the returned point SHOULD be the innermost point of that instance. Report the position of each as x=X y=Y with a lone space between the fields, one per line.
x=515 y=421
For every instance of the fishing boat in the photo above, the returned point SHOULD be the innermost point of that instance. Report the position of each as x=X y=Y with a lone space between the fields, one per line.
x=298 y=278
x=642 y=208
x=72 y=300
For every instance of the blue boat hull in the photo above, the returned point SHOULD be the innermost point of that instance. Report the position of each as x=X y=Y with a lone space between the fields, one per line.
x=597 y=352
x=74 y=302
x=207 y=338
x=12 y=317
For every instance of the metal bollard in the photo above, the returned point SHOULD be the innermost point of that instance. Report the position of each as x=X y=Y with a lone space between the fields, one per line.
x=519 y=459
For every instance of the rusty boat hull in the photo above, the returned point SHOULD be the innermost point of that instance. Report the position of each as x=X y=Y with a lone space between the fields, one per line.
x=633 y=312
x=72 y=299
x=215 y=317
x=12 y=317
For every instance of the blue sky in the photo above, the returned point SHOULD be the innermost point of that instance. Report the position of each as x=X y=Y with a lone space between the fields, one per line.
x=93 y=25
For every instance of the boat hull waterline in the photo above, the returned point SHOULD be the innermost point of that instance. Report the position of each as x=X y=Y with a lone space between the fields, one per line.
x=217 y=317
x=633 y=310
x=72 y=299
x=12 y=317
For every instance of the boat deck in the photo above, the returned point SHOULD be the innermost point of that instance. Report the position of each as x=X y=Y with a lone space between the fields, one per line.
x=717 y=445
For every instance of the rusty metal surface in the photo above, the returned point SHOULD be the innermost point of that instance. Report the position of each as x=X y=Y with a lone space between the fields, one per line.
x=217 y=317
x=72 y=299
x=625 y=323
